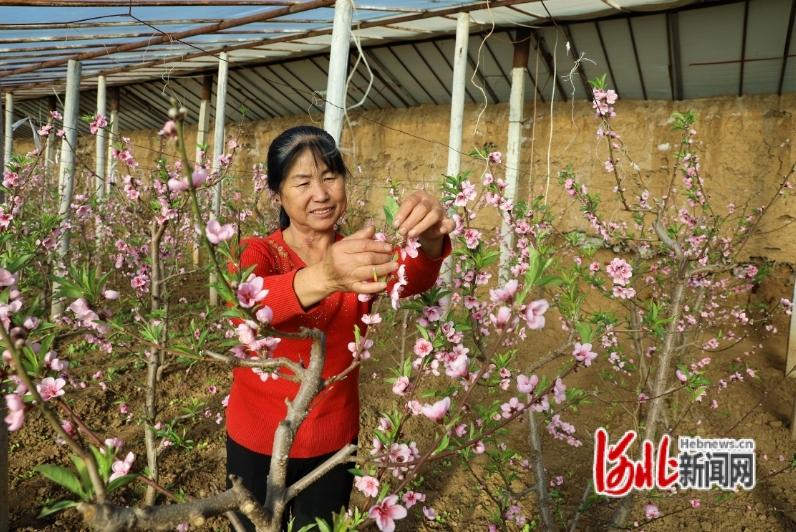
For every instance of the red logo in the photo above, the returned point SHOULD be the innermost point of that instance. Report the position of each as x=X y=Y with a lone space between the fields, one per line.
x=615 y=474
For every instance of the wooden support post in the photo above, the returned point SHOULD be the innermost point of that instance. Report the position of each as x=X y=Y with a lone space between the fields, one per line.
x=3 y=142
x=457 y=99
x=218 y=150
x=522 y=44
x=458 y=85
x=790 y=359
x=66 y=173
x=202 y=128
x=9 y=129
x=113 y=121
x=334 y=110
x=102 y=142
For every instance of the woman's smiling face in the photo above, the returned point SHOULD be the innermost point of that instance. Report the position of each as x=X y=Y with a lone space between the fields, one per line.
x=312 y=195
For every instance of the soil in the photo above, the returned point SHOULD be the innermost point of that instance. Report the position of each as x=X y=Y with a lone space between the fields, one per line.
x=757 y=408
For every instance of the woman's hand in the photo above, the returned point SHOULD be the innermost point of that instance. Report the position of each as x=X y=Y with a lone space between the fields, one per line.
x=421 y=215
x=354 y=263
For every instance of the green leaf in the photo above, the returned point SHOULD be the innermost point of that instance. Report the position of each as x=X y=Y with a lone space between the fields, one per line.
x=50 y=509
x=442 y=444
x=584 y=331
x=390 y=209
x=61 y=476
x=82 y=470
x=120 y=482
x=323 y=526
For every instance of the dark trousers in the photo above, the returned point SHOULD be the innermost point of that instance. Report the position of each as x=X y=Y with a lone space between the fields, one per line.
x=326 y=495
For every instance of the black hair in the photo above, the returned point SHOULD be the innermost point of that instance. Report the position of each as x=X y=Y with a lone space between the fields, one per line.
x=289 y=145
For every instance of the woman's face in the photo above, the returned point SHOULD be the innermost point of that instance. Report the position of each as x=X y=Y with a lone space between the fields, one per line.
x=312 y=195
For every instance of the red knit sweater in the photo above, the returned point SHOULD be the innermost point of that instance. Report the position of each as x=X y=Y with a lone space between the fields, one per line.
x=255 y=407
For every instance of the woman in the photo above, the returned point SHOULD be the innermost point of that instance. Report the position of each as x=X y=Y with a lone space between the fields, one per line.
x=313 y=276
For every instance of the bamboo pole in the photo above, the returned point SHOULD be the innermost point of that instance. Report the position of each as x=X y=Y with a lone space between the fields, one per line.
x=334 y=111
x=516 y=102
x=66 y=174
x=113 y=121
x=218 y=150
x=202 y=128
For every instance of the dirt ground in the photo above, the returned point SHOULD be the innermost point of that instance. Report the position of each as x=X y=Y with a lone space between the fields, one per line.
x=757 y=408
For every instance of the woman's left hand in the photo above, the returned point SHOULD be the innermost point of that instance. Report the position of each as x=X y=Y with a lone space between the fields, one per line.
x=421 y=215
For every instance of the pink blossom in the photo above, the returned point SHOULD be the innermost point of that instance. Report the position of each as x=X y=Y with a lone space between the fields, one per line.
x=511 y=407
x=264 y=314
x=410 y=248
x=45 y=130
x=246 y=334
x=367 y=485
x=251 y=291
x=534 y=314
x=169 y=129
x=386 y=512
x=10 y=179
x=507 y=293
x=472 y=238
x=559 y=391
x=199 y=176
x=501 y=319
x=681 y=376
x=526 y=384
x=584 y=354
x=217 y=233
x=82 y=311
x=395 y=292
x=371 y=319
x=122 y=467
x=623 y=292
x=619 y=271
x=98 y=123
x=423 y=347
x=55 y=115
x=110 y=294
x=459 y=367
x=49 y=388
x=438 y=410
x=16 y=411
x=695 y=503
x=411 y=498
x=495 y=157
x=651 y=512
x=400 y=386
x=177 y=185
x=6 y=278
x=430 y=513
x=139 y=281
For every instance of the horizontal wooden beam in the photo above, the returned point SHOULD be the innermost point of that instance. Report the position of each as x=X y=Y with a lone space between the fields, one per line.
x=169 y=37
x=253 y=44
x=133 y=23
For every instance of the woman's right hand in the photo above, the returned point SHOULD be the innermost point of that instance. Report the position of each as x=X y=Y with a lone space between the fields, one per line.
x=351 y=264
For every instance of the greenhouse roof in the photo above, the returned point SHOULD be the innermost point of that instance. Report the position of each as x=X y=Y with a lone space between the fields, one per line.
x=278 y=49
